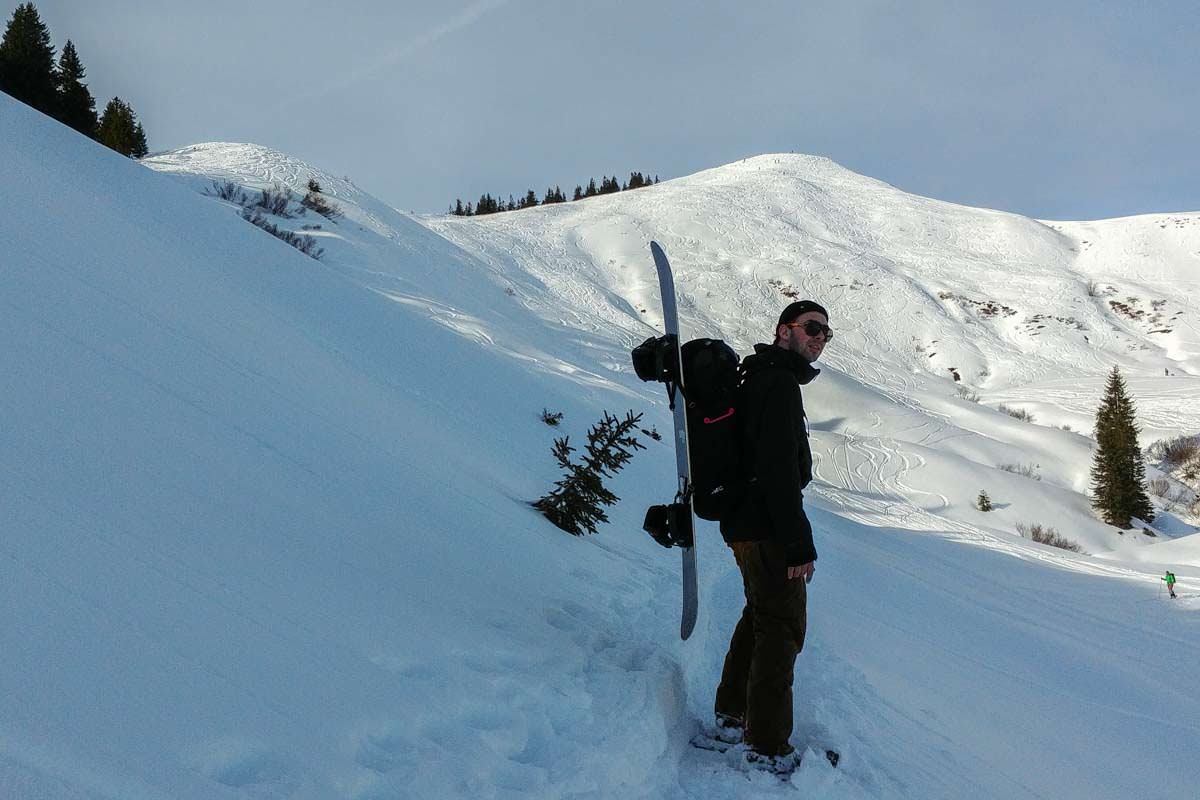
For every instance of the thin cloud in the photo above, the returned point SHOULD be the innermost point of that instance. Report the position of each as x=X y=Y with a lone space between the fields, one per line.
x=462 y=19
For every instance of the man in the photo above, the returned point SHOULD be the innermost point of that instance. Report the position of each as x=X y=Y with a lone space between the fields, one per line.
x=1170 y=579
x=771 y=538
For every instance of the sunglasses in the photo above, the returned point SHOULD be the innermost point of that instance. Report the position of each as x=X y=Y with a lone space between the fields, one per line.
x=812 y=328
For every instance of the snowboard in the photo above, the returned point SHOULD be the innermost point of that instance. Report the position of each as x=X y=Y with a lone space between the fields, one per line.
x=681 y=510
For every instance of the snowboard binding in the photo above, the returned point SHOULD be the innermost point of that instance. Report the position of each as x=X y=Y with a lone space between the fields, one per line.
x=657 y=359
x=670 y=525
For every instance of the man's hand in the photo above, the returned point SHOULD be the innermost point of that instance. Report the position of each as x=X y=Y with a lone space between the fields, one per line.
x=803 y=571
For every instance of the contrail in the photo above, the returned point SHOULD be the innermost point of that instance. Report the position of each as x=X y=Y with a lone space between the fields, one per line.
x=460 y=20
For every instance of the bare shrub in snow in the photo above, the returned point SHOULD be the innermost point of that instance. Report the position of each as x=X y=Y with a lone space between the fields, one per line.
x=315 y=201
x=276 y=202
x=1175 y=452
x=1046 y=535
x=1025 y=470
x=1183 y=499
x=1015 y=413
x=966 y=394
x=551 y=418
x=1159 y=487
x=304 y=243
x=230 y=191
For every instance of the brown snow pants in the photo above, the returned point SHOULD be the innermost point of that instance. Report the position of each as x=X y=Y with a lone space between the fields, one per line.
x=756 y=683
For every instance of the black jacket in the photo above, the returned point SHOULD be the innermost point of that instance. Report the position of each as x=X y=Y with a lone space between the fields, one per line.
x=775 y=455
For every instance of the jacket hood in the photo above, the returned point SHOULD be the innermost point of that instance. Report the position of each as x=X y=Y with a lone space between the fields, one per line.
x=768 y=356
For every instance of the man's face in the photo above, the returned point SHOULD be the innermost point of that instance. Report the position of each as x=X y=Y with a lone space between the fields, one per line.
x=794 y=337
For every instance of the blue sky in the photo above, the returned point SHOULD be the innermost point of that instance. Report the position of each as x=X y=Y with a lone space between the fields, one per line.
x=1068 y=110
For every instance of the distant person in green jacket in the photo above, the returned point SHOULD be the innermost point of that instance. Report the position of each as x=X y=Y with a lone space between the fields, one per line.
x=1170 y=579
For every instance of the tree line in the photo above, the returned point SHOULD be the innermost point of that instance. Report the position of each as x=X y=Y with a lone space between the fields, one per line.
x=29 y=73
x=492 y=205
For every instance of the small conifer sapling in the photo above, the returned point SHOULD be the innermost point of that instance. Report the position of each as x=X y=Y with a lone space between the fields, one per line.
x=576 y=504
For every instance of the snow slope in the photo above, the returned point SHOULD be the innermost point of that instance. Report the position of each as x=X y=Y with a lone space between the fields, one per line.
x=264 y=531
x=929 y=299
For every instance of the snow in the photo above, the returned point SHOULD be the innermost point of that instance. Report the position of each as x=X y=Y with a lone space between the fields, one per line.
x=265 y=530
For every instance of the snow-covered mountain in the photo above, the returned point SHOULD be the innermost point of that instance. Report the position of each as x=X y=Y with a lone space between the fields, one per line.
x=934 y=304
x=264 y=530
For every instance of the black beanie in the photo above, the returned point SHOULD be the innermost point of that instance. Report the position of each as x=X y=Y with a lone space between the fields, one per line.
x=800 y=307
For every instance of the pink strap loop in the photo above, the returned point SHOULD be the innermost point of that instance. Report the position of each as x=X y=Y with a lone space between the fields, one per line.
x=726 y=415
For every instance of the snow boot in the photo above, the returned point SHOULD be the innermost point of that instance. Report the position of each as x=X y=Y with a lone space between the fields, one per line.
x=729 y=729
x=781 y=764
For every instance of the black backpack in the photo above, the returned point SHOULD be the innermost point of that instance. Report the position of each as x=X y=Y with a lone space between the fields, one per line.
x=710 y=389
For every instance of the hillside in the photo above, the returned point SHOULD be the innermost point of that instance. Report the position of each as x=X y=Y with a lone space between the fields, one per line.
x=932 y=303
x=265 y=530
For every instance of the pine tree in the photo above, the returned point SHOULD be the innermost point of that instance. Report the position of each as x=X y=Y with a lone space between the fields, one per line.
x=76 y=106
x=458 y=209
x=983 y=502
x=27 y=61
x=578 y=193
x=591 y=189
x=1118 y=470
x=576 y=503
x=139 y=149
x=120 y=130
